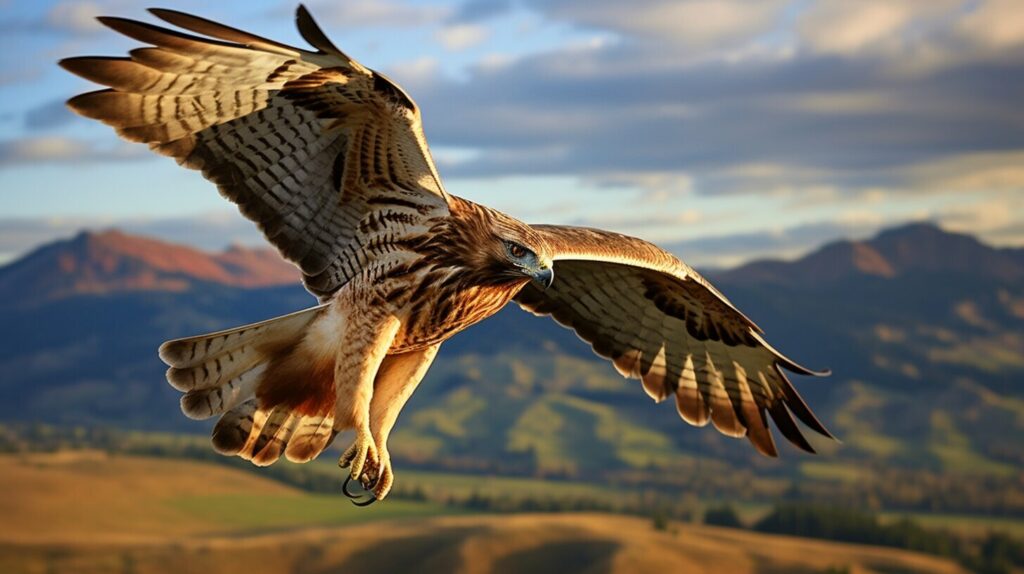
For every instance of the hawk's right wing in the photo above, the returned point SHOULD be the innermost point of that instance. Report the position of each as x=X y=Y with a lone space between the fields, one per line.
x=326 y=156
x=659 y=321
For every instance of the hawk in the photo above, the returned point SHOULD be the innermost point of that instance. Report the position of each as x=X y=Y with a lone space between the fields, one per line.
x=329 y=159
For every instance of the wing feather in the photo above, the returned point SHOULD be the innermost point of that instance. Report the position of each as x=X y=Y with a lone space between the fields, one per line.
x=659 y=321
x=310 y=145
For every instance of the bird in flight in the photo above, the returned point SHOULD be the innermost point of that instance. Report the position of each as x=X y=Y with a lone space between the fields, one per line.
x=329 y=159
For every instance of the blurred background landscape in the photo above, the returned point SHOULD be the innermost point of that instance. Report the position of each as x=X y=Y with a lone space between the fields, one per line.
x=847 y=173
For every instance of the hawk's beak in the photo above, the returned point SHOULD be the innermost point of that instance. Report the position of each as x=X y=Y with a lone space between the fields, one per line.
x=544 y=277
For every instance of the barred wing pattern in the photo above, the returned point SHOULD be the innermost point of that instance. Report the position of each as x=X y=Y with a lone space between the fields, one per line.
x=659 y=321
x=326 y=156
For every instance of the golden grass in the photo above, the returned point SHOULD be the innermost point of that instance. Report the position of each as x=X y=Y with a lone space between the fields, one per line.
x=87 y=497
x=82 y=495
x=515 y=543
x=96 y=513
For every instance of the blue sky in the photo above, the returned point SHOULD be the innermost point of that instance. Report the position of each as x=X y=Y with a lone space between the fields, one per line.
x=723 y=129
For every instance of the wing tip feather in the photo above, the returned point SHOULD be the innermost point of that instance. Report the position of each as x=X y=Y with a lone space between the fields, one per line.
x=797 y=405
x=214 y=29
x=312 y=33
x=787 y=426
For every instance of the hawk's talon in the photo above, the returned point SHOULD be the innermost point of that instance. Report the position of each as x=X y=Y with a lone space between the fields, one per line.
x=367 y=485
x=344 y=489
x=370 y=500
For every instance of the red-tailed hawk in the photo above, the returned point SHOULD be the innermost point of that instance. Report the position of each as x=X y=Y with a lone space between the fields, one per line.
x=328 y=158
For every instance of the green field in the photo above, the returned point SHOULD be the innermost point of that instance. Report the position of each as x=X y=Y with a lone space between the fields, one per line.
x=262 y=512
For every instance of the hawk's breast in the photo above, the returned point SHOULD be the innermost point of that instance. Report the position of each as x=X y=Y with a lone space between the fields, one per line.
x=438 y=310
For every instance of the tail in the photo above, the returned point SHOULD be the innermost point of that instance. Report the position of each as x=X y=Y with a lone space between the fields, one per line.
x=271 y=383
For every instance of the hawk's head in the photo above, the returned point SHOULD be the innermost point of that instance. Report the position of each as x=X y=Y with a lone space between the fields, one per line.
x=503 y=250
x=526 y=261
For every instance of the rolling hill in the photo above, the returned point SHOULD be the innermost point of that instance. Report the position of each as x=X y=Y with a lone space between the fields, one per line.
x=88 y=512
x=922 y=328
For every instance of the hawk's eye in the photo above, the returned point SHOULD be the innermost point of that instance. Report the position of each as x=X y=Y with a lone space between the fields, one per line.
x=516 y=250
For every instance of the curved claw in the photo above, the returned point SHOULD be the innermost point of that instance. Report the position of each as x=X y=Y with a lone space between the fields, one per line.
x=344 y=489
x=354 y=497
x=366 y=502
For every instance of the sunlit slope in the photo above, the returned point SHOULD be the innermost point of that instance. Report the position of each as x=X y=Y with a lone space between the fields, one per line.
x=562 y=543
x=93 y=513
x=89 y=497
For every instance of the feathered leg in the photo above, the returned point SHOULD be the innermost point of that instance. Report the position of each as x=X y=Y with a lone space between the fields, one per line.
x=366 y=338
x=397 y=378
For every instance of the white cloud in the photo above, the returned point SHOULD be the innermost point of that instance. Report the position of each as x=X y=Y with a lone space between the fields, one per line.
x=845 y=102
x=977 y=172
x=690 y=23
x=913 y=35
x=657 y=185
x=379 y=13
x=853 y=26
x=63 y=149
x=458 y=37
x=493 y=62
x=995 y=23
x=417 y=74
x=78 y=17
x=209 y=231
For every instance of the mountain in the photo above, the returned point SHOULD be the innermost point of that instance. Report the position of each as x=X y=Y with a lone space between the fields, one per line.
x=921 y=327
x=900 y=251
x=114 y=262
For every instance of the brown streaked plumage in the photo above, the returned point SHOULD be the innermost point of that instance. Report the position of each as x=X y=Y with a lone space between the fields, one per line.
x=329 y=159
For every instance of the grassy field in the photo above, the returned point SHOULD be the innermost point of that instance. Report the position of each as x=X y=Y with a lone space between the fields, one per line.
x=973 y=526
x=464 y=485
x=92 y=512
x=91 y=496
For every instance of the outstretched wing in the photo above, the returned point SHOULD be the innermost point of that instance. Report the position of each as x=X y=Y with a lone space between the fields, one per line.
x=326 y=156
x=659 y=321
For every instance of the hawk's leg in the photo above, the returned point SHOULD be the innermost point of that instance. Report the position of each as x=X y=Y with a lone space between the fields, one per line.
x=397 y=378
x=368 y=330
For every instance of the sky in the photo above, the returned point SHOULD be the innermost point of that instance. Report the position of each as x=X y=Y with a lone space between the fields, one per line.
x=724 y=130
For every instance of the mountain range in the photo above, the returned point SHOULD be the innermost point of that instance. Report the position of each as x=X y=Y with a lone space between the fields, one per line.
x=922 y=328
x=112 y=262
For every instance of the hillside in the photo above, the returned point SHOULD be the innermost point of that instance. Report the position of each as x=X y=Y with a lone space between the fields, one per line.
x=900 y=251
x=114 y=262
x=921 y=327
x=76 y=512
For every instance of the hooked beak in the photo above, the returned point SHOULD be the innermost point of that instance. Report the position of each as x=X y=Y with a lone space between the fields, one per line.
x=544 y=277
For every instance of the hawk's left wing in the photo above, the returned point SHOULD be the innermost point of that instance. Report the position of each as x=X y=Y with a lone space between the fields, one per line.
x=326 y=156
x=659 y=321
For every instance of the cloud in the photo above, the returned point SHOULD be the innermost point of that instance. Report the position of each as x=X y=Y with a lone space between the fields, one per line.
x=993 y=216
x=644 y=222
x=658 y=185
x=48 y=115
x=912 y=35
x=58 y=149
x=995 y=23
x=416 y=75
x=458 y=37
x=733 y=249
x=478 y=10
x=852 y=26
x=379 y=14
x=691 y=23
x=209 y=231
x=75 y=17
x=977 y=172
x=643 y=112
